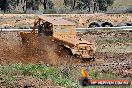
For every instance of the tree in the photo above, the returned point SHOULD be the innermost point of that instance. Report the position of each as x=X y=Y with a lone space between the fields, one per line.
x=66 y=2
x=83 y=4
x=50 y=4
x=104 y=4
x=86 y=4
x=44 y=2
x=74 y=3
x=36 y=5
x=3 y=5
x=71 y=3
x=47 y=4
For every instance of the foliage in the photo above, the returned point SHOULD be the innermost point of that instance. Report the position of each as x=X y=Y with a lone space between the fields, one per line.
x=7 y=5
x=39 y=71
x=104 y=4
x=83 y=4
x=3 y=5
x=10 y=72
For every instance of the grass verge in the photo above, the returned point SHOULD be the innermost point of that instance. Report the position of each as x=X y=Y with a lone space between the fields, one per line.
x=66 y=76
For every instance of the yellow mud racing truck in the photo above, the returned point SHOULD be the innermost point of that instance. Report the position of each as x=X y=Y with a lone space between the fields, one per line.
x=65 y=32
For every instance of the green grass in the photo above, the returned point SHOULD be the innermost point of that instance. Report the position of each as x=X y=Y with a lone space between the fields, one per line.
x=66 y=77
x=10 y=73
x=38 y=71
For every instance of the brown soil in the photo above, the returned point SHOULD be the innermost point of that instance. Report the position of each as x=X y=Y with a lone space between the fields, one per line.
x=27 y=82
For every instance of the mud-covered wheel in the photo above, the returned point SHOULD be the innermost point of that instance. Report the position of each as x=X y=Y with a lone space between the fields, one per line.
x=84 y=81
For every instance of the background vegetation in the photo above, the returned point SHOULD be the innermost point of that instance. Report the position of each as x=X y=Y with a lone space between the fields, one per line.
x=53 y=7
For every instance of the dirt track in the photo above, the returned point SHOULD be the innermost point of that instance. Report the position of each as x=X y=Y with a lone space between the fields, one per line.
x=113 y=53
x=43 y=50
x=81 y=20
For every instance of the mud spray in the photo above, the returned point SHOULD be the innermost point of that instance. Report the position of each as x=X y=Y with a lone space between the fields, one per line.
x=28 y=48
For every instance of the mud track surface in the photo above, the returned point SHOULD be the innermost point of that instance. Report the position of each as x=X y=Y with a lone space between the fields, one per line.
x=35 y=49
x=41 y=50
x=113 y=53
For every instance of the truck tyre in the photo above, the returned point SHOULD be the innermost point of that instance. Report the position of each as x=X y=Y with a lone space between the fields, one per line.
x=94 y=24
x=107 y=24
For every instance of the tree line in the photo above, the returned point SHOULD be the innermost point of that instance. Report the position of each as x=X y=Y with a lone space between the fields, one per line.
x=8 y=5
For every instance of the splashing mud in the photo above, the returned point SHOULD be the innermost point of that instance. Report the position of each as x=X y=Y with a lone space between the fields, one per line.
x=30 y=49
